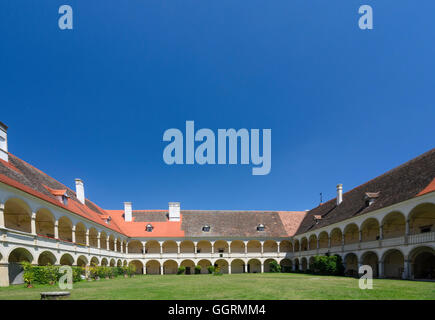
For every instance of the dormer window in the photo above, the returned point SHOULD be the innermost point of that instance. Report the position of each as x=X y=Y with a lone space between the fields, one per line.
x=109 y=218
x=65 y=199
x=370 y=198
x=149 y=228
x=260 y=227
x=206 y=228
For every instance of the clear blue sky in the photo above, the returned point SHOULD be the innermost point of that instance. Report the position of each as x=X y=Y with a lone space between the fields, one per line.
x=344 y=105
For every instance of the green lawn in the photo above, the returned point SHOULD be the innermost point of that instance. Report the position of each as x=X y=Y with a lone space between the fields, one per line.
x=235 y=286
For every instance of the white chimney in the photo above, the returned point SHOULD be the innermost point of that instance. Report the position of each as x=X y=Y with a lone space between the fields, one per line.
x=4 y=142
x=128 y=216
x=80 y=190
x=174 y=211
x=339 y=193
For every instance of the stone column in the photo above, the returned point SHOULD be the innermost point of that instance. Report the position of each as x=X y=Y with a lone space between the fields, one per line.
x=360 y=235
x=87 y=238
x=229 y=268
x=405 y=274
x=381 y=232
x=329 y=241
x=115 y=245
x=407 y=227
x=4 y=274
x=229 y=247
x=196 y=247
x=161 y=269
x=107 y=244
x=246 y=246
x=144 y=245
x=33 y=224
x=262 y=267
x=381 y=269
x=212 y=247
x=262 y=246
x=161 y=249
x=99 y=240
x=245 y=266
x=178 y=247
x=74 y=234
x=318 y=243
x=278 y=243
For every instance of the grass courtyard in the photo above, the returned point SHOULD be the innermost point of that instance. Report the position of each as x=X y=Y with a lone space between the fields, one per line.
x=236 y=286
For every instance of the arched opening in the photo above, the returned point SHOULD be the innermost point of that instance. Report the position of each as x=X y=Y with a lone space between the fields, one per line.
x=254 y=246
x=304 y=264
x=118 y=245
x=93 y=238
x=371 y=259
x=254 y=266
x=351 y=265
x=152 y=246
x=138 y=266
x=297 y=267
x=65 y=229
x=221 y=246
x=285 y=246
x=81 y=234
x=351 y=234
x=393 y=264
x=370 y=230
x=237 y=246
x=112 y=242
x=119 y=263
x=304 y=244
x=45 y=223
x=393 y=225
x=46 y=258
x=286 y=265
x=423 y=263
x=323 y=240
x=267 y=264
x=237 y=266
x=422 y=218
x=170 y=247
x=135 y=246
x=297 y=245
x=203 y=246
x=94 y=261
x=336 y=237
x=66 y=260
x=170 y=267
x=187 y=247
x=204 y=265
x=189 y=265
x=112 y=262
x=103 y=240
x=17 y=215
x=104 y=262
x=311 y=263
x=222 y=265
x=153 y=267
x=82 y=261
x=313 y=242
x=15 y=270
x=270 y=246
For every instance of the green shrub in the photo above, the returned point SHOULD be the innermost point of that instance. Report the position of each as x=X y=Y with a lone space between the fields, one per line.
x=327 y=265
x=217 y=271
x=181 y=270
x=274 y=267
x=210 y=269
x=198 y=269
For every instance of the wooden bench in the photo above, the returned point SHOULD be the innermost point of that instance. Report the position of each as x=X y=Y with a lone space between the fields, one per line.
x=55 y=295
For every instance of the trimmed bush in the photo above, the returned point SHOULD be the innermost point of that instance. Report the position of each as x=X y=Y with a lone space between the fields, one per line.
x=210 y=269
x=198 y=269
x=327 y=265
x=181 y=270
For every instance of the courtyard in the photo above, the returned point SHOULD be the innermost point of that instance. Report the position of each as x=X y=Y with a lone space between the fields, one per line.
x=287 y=286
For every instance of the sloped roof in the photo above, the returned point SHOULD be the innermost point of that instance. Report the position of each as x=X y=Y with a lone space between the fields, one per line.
x=411 y=179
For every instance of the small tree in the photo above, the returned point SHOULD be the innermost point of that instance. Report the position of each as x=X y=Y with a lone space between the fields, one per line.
x=28 y=275
x=274 y=266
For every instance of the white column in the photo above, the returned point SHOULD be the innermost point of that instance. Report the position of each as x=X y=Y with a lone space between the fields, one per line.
x=381 y=232
x=407 y=227
x=2 y=215
x=317 y=243
x=87 y=238
x=262 y=267
x=107 y=243
x=196 y=247
x=178 y=247
x=229 y=268
x=99 y=240
x=115 y=245
x=246 y=267
x=262 y=246
x=360 y=236
x=329 y=241
x=161 y=269
x=278 y=243
x=126 y=248
x=246 y=246
x=74 y=234
x=33 y=224
x=229 y=247
x=212 y=247
x=144 y=244
x=161 y=249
